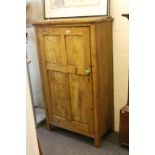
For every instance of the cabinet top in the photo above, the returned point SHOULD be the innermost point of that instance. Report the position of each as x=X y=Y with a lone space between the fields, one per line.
x=72 y=20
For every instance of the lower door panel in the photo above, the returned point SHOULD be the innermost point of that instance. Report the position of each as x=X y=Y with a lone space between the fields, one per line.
x=71 y=101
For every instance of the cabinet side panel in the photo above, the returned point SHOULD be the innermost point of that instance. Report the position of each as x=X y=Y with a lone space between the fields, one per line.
x=97 y=138
x=104 y=75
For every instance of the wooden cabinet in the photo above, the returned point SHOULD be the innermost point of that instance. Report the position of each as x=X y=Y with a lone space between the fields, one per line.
x=76 y=67
x=124 y=126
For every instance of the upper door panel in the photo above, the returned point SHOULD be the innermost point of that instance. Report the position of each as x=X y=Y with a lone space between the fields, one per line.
x=66 y=46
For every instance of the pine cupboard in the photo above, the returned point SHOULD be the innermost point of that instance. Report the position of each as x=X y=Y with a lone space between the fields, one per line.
x=76 y=65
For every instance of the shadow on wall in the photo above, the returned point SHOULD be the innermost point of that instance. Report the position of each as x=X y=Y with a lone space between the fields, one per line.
x=34 y=11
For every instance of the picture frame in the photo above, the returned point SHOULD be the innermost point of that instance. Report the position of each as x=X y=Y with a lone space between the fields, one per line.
x=75 y=8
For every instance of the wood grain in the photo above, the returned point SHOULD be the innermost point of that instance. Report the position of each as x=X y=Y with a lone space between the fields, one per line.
x=97 y=140
x=104 y=75
x=76 y=63
x=68 y=21
x=124 y=126
x=58 y=91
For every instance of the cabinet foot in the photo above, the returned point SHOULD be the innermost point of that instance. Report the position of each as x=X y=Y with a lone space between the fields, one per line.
x=97 y=141
x=48 y=126
x=52 y=127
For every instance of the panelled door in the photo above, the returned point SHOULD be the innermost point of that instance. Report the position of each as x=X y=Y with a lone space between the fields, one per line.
x=66 y=68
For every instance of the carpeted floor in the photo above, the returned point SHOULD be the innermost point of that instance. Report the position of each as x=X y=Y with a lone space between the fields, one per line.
x=62 y=142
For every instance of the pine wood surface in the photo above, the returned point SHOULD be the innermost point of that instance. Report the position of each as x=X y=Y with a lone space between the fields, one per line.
x=82 y=20
x=76 y=67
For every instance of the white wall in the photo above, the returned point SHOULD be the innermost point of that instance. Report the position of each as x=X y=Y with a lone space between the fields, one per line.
x=31 y=138
x=34 y=12
x=34 y=68
x=120 y=53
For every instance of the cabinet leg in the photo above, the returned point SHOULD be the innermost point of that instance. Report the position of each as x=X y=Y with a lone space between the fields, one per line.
x=111 y=130
x=97 y=141
x=52 y=127
x=48 y=126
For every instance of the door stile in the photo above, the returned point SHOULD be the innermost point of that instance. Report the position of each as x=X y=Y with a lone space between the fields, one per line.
x=47 y=96
x=68 y=102
x=89 y=65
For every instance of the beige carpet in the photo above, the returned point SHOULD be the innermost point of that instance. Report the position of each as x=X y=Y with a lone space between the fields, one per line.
x=62 y=142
